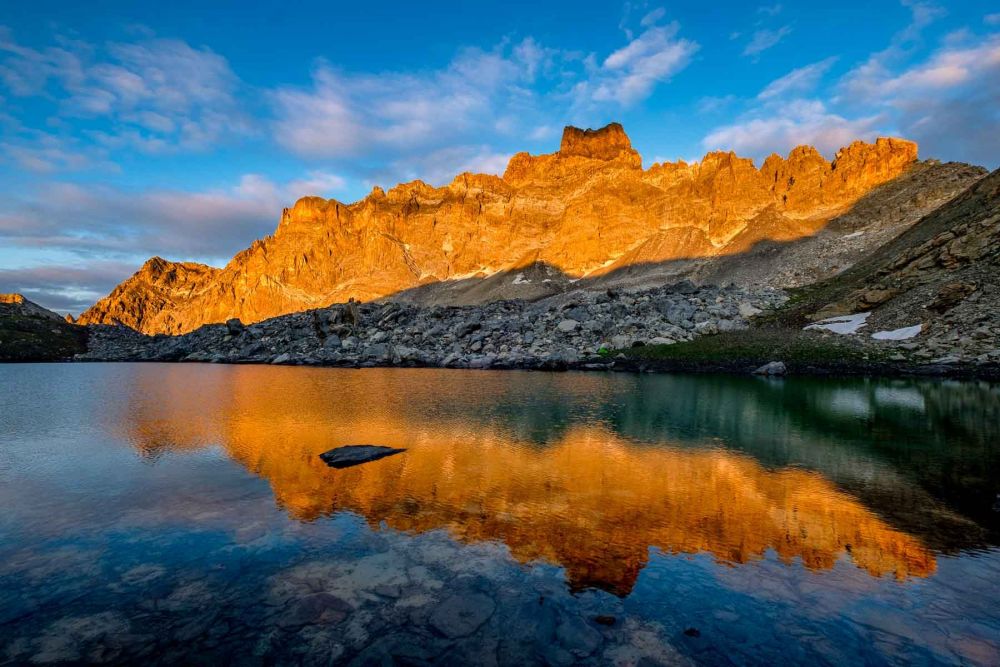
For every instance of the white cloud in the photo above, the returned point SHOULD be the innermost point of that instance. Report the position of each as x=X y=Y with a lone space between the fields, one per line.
x=948 y=100
x=440 y=166
x=860 y=80
x=316 y=183
x=630 y=74
x=795 y=123
x=154 y=94
x=66 y=288
x=949 y=103
x=946 y=69
x=653 y=17
x=341 y=115
x=48 y=154
x=101 y=221
x=714 y=104
x=802 y=79
x=764 y=39
x=992 y=19
x=770 y=10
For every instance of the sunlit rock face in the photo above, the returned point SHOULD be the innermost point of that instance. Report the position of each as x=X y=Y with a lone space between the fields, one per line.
x=582 y=497
x=586 y=210
x=157 y=296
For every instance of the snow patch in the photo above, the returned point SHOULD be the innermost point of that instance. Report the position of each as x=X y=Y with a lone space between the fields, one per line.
x=854 y=235
x=898 y=334
x=844 y=324
x=519 y=279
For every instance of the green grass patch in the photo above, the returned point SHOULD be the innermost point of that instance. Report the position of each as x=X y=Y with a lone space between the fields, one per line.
x=759 y=346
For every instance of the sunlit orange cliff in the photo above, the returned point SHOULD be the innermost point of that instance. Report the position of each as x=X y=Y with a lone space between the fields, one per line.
x=586 y=210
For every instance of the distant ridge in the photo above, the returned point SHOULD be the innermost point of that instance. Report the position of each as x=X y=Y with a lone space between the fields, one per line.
x=586 y=210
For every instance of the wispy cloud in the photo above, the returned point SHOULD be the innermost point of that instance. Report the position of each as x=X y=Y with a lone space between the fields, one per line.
x=42 y=152
x=653 y=17
x=715 y=104
x=629 y=74
x=799 y=80
x=101 y=221
x=948 y=101
x=341 y=114
x=439 y=167
x=155 y=95
x=797 y=122
x=65 y=289
x=764 y=39
x=515 y=90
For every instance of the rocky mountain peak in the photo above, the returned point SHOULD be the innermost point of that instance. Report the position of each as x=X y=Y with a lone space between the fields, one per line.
x=154 y=266
x=607 y=143
x=588 y=209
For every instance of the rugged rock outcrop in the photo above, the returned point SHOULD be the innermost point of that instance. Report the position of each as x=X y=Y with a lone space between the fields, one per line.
x=587 y=210
x=155 y=297
x=936 y=286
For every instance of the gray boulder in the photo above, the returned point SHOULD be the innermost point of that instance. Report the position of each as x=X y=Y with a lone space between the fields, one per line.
x=773 y=368
x=567 y=326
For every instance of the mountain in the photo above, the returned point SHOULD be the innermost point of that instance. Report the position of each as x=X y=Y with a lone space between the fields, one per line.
x=589 y=211
x=29 y=332
x=943 y=274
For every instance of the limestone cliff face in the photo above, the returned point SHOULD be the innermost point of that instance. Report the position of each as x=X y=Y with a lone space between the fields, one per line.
x=586 y=210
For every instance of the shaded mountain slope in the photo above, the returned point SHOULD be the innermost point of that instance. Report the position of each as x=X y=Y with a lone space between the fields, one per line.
x=948 y=260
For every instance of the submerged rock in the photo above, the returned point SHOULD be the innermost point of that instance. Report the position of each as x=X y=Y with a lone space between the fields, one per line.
x=461 y=615
x=352 y=455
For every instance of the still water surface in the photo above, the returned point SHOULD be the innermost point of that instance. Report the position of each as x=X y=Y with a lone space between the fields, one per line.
x=180 y=513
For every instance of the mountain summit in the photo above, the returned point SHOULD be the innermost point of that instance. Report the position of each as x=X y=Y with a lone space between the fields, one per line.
x=588 y=210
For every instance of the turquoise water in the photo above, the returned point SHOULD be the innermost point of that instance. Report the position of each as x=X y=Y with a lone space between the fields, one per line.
x=180 y=513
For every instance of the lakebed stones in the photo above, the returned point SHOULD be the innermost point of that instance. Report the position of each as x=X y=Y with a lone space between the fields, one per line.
x=461 y=615
x=352 y=455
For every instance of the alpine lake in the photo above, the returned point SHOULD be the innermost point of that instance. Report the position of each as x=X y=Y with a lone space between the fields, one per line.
x=181 y=513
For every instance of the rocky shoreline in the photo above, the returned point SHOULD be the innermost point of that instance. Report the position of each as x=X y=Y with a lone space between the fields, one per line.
x=566 y=331
x=679 y=328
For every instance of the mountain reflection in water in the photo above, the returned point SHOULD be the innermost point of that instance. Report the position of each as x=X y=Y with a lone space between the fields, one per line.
x=591 y=471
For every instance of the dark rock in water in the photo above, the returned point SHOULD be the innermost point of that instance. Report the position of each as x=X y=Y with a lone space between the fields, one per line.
x=352 y=455
x=693 y=632
x=605 y=620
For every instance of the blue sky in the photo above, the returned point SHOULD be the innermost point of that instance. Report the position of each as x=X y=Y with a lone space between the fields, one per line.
x=133 y=129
